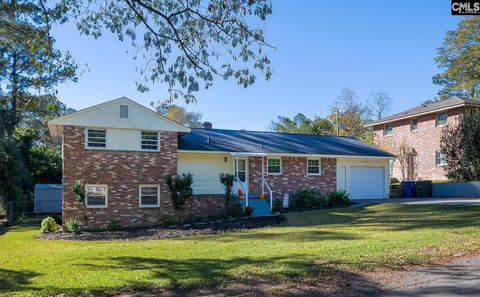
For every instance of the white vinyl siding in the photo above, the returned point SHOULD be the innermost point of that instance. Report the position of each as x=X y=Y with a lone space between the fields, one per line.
x=274 y=166
x=205 y=169
x=96 y=196
x=150 y=141
x=149 y=196
x=314 y=167
x=96 y=138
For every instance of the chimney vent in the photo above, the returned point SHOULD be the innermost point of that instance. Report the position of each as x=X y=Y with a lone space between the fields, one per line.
x=207 y=125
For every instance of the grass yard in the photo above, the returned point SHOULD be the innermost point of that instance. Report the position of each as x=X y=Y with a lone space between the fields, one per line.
x=312 y=246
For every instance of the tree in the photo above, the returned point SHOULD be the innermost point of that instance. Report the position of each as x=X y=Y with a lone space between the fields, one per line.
x=192 y=119
x=185 y=43
x=379 y=104
x=45 y=163
x=459 y=146
x=180 y=191
x=302 y=124
x=30 y=65
x=227 y=179
x=459 y=60
x=352 y=116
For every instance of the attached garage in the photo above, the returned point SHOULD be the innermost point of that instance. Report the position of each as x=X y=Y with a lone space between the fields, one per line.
x=363 y=179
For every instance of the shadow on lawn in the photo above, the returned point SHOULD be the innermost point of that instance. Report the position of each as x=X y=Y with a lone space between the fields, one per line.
x=11 y=280
x=393 y=217
x=296 y=274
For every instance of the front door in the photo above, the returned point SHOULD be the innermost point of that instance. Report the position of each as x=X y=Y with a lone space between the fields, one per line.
x=242 y=175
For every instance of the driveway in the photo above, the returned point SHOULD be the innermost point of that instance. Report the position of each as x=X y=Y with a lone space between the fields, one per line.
x=459 y=278
x=423 y=201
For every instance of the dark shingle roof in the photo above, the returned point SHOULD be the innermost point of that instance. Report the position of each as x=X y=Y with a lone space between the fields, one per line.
x=271 y=142
x=428 y=107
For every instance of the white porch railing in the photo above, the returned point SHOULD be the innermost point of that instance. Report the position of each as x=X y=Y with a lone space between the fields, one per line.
x=264 y=182
x=239 y=182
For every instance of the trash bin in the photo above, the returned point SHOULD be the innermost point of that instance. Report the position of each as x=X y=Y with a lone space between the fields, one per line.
x=424 y=188
x=408 y=189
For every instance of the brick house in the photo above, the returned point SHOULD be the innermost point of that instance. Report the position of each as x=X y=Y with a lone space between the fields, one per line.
x=122 y=151
x=420 y=128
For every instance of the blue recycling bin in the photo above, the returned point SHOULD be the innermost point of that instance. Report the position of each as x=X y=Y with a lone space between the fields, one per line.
x=408 y=189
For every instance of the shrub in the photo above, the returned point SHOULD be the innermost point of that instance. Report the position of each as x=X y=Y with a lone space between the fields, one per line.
x=307 y=198
x=113 y=226
x=394 y=180
x=73 y=226
x=337 y=198
x=49 y=225
x=226 y=179
x=235 y=210
x=277 y=205
x=180 y=191
x=248 y=211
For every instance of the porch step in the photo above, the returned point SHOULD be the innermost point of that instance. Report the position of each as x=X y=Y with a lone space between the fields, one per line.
x=261 y=207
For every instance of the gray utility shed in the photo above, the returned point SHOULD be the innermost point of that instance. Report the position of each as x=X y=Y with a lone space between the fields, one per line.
x=48 y=198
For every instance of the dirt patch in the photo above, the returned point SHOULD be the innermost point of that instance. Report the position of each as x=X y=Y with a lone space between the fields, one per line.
x=172 y=232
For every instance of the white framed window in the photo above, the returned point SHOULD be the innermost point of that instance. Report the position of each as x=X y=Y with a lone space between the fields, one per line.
x=388 y=130
x=414 y=125
x=123 y=111
x=149 y=196
x=96 y=196
x=440 y=159
x=274 y=166
x=441 y=120
x=314 y=167
x=150 y=141
x=96 y=138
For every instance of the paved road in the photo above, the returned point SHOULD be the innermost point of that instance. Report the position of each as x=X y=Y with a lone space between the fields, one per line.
x=460 y=278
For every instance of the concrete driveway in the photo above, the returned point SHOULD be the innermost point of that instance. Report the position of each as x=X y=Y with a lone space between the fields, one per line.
x=423 y=201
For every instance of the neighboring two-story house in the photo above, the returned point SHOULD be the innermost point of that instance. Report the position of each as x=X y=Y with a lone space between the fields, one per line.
x=420 y=128
x=122 y=151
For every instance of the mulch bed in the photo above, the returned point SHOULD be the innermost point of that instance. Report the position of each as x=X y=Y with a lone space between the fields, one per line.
x=170 y=232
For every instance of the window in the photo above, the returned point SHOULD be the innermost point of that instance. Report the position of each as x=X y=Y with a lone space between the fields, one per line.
x=414 y=125
x=313 y=167
x=242 y=171
x=440 y=159
x=149 y=196
x=96 y=138
x=96 y=196
x=149 y=141
x=124 y=111
x=274 y=166
x=388 y=130
x=442 y=119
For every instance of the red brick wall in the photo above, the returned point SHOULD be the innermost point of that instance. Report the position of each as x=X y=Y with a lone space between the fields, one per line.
x=426 y=141
x=123 y=172
x=294 y=176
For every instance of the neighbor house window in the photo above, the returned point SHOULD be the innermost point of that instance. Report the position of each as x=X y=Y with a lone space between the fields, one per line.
x=274 y=166
x=150 y=141
x=440 y=158
x=124 y=111
x=313 y=167
x=96 y=138
x=442 y=119
x=388 y=130
x=414 y=125
x=149 y=196
x=96 y=196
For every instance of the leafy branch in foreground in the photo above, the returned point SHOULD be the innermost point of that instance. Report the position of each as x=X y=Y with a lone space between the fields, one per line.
x=185 y=43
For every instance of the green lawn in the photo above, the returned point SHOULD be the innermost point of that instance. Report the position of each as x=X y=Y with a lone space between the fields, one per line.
x=311 y=246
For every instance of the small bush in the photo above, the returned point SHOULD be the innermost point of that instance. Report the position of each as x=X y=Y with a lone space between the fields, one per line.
x=277 y=205
x=307 y=198
x=394 y=180
x=235 y=210
x=248 y=211
x=49 y=225
x=337 y=198
x=73 y=226
x=113 y=226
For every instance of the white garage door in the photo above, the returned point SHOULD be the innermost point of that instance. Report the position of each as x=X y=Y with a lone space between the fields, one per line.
x=366 y=182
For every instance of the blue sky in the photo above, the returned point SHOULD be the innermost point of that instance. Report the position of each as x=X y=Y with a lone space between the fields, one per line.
x=322 y=46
